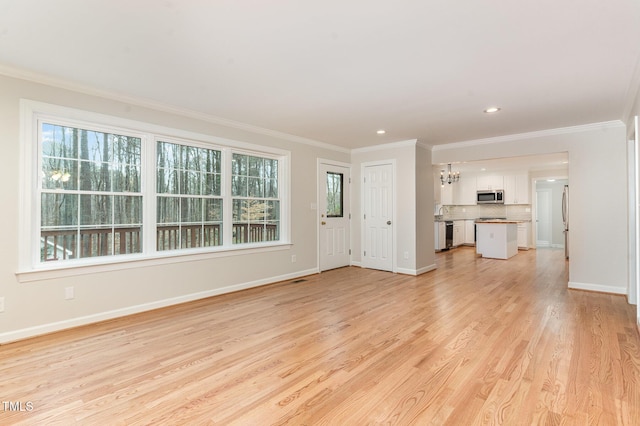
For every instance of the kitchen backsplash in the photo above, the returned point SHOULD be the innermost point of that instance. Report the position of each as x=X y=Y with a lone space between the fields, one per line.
x=515 y=212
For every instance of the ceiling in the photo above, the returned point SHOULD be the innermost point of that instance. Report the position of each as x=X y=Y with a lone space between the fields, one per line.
x=337 y=71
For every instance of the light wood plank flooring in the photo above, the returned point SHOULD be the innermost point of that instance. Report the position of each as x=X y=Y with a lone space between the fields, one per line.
x=478 y=341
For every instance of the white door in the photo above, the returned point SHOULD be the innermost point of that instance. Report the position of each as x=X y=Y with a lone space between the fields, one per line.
x=543 y=213
x=378 y=217
x=334 y=216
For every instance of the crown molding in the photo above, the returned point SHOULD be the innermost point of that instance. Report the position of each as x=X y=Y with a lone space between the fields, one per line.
x=531 y=135
x=633 y=94
x=386 y=146
x=424 y=145
x=39 y=78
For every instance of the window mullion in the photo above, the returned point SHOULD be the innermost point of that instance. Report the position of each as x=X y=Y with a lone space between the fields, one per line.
x=227 y=200
x=149 y=197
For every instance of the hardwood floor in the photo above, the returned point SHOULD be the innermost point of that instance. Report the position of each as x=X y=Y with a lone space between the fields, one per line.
x=477 y=341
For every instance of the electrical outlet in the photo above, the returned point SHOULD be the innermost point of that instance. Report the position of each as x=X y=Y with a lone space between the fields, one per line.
x=293 y=258
x=69 y=293
x=1 y=304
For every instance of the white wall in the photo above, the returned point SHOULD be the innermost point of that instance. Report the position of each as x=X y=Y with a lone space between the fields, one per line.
x=598 y=238
x=425 y=250
x=597 y=155
x=414 y=204
x=634 y=111
x=35 y=307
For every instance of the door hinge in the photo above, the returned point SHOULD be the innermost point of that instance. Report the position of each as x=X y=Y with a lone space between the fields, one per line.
x=349 y=180
x=365 y=254
x=365 y=180
x=365 y=215
x=349 y=215
x=349 y=252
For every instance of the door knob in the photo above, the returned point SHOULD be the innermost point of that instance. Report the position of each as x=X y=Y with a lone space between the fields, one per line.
x=388 y=222
x=323 y=223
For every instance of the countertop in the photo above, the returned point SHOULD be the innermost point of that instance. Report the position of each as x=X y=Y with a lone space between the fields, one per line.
x=487 y=220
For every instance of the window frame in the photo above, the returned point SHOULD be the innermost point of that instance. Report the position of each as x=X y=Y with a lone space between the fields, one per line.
x=33 y=113
x=39 y=190
x=233 y=197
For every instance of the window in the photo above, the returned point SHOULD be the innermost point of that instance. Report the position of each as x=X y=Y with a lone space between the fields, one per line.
x=334 y=194
x=105 y=190
x=189 y=202
x=91 y=204
x=256 y=206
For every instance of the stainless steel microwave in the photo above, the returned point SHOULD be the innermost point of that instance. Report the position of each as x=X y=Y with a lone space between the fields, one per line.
x=489 y=196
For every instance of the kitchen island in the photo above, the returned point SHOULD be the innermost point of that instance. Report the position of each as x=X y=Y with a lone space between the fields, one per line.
x=497 y=239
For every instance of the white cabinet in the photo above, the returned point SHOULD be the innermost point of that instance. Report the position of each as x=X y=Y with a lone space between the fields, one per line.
x=524 y=230
x=490 y=182
x=458 y=232
x=446 y=194
x=469 y=231
x=497 y=240
x=464 y=193
x=439 y=235
x=516 y=189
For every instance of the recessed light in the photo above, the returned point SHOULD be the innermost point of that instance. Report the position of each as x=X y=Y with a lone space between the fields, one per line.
x=381 y=132
x=551 y=180
x=492 y=110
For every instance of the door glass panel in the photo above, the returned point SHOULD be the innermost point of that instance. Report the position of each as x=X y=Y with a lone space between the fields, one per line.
x=334 y=194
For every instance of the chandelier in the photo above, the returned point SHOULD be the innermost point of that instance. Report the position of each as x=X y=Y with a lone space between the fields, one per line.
x=450 y=177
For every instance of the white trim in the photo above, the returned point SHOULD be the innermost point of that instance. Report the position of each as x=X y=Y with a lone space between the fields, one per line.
x=426 y=269
x=356 y=263
x=25 y=333
x=424 y=145
x=30 y=268
x=633 y=93
x=530 y=135
x=348 y=166
x=600 y=288
x=333 y=163
x=416 y=272
x=30 y=107
x=158 y=106
x=386 y=146
x=633 y=232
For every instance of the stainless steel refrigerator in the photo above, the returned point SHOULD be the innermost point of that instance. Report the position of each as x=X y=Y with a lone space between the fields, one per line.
x=565 y=219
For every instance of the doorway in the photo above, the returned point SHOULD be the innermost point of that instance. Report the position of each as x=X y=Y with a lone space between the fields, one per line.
x=550 y=224
x=334 y=211
x=378 y=208
x=544 y=218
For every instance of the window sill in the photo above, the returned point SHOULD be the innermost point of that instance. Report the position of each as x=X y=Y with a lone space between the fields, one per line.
x=50 y=271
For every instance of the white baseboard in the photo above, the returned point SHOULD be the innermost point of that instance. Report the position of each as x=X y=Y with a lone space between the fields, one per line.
x=600 y=288
x=416 y=272
x=427 y=269
x=356 y=263
x=25 y=333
